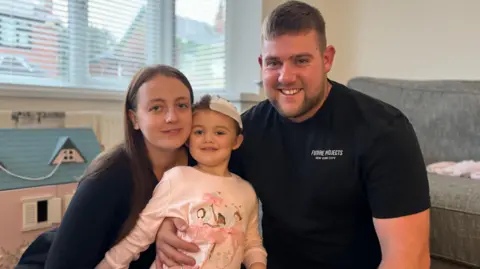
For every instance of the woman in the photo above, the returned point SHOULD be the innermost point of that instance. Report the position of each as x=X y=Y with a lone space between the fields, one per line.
x=118 y=184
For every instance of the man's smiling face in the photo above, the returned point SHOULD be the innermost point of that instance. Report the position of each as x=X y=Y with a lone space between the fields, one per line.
x=294 y=69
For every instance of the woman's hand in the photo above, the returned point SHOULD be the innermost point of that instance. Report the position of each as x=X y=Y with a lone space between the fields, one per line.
x=168 y=244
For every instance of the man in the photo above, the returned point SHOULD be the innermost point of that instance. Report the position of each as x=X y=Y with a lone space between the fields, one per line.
x=340 y=174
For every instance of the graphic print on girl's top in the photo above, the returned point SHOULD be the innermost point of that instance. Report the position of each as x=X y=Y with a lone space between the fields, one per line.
x=222 y=214
x=218 y=226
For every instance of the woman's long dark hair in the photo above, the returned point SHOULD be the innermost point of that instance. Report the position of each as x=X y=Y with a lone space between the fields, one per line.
x=132 y=151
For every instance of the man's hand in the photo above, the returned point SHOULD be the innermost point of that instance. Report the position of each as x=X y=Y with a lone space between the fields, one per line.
x=168 y=244
x=257 y=265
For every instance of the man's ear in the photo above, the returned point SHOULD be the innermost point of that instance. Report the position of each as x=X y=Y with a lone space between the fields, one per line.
x=238 y=142
x=328 y=57
x=133 y=118
x=260 y=60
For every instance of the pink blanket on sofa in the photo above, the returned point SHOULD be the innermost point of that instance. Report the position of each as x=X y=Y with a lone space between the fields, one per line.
x=467 y=168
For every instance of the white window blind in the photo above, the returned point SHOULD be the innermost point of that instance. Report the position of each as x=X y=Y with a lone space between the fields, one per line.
x=117 y=39
x=101 y=43
x=31 y=40
x=200 y=42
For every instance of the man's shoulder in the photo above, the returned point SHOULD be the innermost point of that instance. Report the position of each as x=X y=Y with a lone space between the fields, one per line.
x=370 y=112
x=369 y=105
x=259 y=112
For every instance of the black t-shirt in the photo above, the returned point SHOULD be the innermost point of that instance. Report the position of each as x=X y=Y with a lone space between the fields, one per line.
x=322 y=180
x=91 y=225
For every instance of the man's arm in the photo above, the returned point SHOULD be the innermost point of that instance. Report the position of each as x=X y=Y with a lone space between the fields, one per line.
x=404 y=241
x=398 y=192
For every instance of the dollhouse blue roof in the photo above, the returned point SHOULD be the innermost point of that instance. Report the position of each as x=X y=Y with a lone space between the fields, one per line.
x=28 y=154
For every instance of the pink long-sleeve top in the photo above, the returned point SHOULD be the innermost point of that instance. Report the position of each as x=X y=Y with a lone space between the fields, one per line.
x=222 y=214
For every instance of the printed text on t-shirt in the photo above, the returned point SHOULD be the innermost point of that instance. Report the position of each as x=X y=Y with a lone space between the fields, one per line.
x=329 y=154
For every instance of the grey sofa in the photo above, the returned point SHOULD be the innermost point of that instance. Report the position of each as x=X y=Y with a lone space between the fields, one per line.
x=446 y=118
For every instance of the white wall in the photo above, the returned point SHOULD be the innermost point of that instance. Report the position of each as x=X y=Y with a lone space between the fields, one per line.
x=409 y=39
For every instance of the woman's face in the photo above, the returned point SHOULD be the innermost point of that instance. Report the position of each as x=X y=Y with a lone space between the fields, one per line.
x=164 y=114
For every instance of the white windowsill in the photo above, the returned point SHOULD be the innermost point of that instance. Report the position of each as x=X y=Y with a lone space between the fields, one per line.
x=38 y=226
x=30 y=91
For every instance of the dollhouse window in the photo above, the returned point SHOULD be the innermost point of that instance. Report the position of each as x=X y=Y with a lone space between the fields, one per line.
x=66 y=152
x=41 y=212
x=69 y=156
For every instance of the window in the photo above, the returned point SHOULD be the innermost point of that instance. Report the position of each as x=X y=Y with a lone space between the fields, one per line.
x=67 y=155
x=100 y=44
x=14 y=32
x=8 y=31
x=200 y=42
x=41 y=212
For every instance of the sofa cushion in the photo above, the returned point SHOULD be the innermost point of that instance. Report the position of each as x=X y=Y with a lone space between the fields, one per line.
x=444 y=114
x=455 y=219
x=442 y=264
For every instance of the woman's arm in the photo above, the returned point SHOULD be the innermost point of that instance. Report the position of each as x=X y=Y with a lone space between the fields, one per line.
x=91 y=223
x=255 y=254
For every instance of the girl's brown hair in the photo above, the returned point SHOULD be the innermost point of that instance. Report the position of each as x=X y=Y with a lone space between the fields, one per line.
x=204 y=104
x=132 y=151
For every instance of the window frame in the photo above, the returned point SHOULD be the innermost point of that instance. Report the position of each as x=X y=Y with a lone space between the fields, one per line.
x=67 y=198
x=239 y=35
x=56 y=205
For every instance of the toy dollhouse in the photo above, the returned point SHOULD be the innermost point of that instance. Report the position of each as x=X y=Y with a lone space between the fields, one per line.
x=39 y=172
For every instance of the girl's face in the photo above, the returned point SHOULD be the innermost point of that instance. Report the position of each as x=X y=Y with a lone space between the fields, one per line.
x=213 y=137
x=164 y=114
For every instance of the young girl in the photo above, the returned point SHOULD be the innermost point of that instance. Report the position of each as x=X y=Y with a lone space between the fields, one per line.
x=220 y=208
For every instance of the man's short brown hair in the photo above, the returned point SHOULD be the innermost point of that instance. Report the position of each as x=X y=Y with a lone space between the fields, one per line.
x=294 y=17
